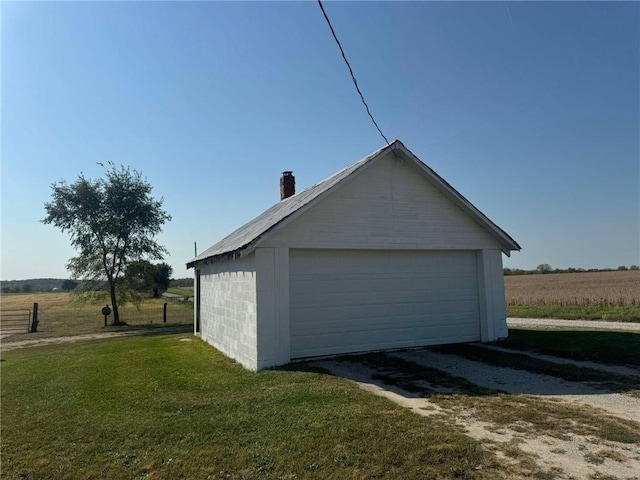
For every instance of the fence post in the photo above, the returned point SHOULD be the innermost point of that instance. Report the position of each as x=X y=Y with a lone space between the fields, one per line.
x=164 y=313
x=34 y=319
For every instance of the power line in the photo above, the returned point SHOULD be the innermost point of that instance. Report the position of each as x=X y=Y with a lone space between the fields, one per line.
x=353 y=77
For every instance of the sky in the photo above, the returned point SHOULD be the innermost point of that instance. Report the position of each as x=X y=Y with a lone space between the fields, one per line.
x=529 y=109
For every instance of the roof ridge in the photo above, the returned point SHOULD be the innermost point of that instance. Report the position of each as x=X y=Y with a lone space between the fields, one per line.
x=247 y=235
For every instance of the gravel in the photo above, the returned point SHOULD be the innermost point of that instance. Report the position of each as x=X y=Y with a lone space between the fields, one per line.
x=587 y=324
x=522 y=382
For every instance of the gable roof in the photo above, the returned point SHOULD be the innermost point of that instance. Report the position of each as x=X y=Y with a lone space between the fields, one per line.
x=246 y=238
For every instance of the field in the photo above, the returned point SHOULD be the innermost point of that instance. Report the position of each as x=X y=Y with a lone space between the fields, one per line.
x=591 y=295
x=60 y=313
x=610 y=289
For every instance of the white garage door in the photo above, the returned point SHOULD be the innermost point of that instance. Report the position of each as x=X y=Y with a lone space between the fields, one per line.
x=350 y=300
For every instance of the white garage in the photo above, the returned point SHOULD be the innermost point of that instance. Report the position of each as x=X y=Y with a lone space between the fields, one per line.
x=353 y=300
x=384 y=254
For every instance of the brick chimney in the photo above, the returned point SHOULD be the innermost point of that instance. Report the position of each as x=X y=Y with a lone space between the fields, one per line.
x=287 y=185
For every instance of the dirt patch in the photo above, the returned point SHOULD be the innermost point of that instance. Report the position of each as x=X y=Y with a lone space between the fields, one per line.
x=39 y=342
x=524 y=452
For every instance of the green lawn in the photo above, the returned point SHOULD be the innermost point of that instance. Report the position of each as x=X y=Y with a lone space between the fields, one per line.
x=519 y=361
x=572 y=312
x=185 y=292
x=620 y=348
x=170 y=407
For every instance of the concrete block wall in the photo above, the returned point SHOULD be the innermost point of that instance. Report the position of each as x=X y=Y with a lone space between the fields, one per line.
x=228 y=313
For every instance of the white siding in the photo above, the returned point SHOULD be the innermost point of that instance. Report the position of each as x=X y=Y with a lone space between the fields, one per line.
x=388 y=205
x=354 y=300
x=273 y=306
x=493 y=308
x=228 y=314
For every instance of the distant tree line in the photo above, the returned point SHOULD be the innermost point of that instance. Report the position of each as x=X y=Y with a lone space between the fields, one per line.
x=31 y=285
x=141 y=277
x=25 y=288
x=546 y=268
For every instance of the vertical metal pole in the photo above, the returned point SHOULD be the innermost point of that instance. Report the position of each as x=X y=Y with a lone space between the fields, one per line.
x=164 y=313
x=34 y=319
x=197 y=300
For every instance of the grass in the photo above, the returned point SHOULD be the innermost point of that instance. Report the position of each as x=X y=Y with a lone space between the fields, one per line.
x=618 y=348
x=185 y=292
x=543 y=416
x=573 y=312
x=517 y=361
x=61 y=314
x=170 y=406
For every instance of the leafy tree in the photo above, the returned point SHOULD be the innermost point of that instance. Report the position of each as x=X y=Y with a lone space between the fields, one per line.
x=633 y=267
x=6 y=289
x=622 y=268
x=543 y=268
x=27 y=288
x=143 y=276
x=112 y=221
x=162 y=278
x=69 y=285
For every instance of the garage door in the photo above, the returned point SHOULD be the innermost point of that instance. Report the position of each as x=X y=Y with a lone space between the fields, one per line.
x=349 y=301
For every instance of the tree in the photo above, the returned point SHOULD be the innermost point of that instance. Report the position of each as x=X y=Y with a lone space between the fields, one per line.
x=162 y=278
x=143 y=276
x=111 y=221
x=69 y=285
x=543 y=268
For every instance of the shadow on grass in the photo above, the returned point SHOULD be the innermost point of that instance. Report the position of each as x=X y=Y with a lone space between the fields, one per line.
x=406 y=378
x=489 y=373
x=35 y=340
x=617 y=348
x=305 y=367
x=150 y=329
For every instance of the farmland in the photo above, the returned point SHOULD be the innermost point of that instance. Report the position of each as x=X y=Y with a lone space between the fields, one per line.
x=611 y=295
x=61 y=313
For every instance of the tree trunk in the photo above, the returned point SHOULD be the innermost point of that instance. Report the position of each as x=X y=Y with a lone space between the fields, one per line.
x=114 y=304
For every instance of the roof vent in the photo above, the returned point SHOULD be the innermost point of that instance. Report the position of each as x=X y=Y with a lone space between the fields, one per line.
x=287 y=185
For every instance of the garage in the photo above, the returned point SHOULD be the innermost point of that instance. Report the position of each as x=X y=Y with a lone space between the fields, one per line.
x=362 y=300
x=383 y=254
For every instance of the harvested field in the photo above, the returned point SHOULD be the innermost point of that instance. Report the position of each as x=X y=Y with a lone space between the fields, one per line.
x=62 y=314
x=603 y=289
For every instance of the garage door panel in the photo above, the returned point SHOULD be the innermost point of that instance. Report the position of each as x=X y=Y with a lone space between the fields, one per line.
x=346 y=301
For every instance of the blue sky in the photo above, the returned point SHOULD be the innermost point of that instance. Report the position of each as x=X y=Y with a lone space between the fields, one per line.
x=530 y=110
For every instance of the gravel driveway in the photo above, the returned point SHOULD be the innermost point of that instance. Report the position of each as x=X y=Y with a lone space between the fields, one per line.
x=570 y=456
x=552 y=322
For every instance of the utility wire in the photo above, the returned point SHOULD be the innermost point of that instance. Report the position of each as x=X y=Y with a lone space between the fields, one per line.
x=353 y=77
